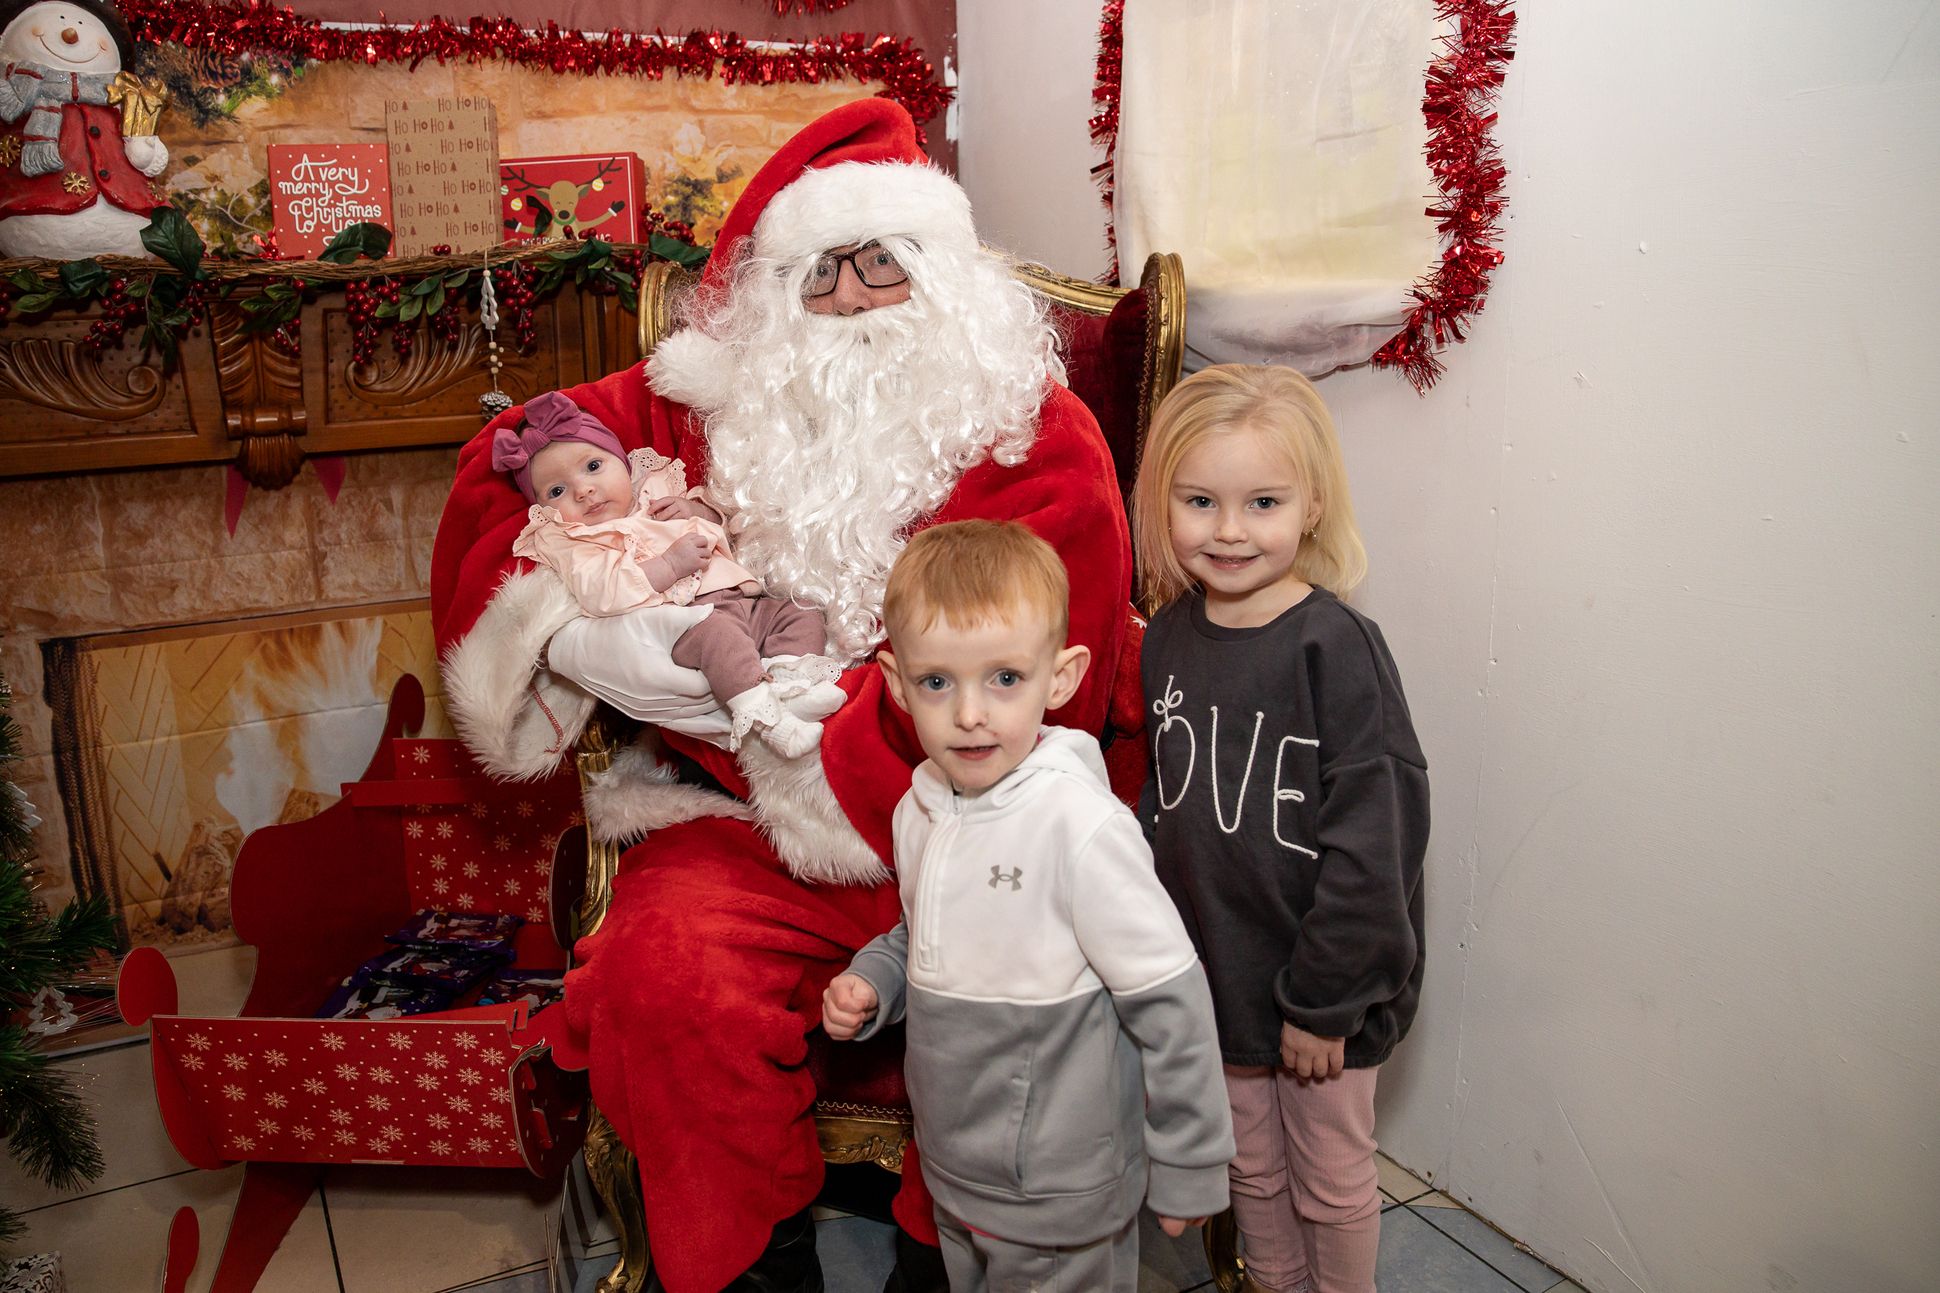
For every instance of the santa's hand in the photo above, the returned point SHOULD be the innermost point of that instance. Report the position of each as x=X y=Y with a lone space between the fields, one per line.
x=806 y=685
x=814 y=704
x=847 y=1005
x=627 y=661
x=146 y=153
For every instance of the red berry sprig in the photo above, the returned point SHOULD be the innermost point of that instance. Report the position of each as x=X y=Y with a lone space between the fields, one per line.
x=444 y=325
x=118 y=311
x=513 y=284
x=360 y=308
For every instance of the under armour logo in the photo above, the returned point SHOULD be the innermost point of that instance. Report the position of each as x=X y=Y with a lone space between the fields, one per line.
x=1013 y=879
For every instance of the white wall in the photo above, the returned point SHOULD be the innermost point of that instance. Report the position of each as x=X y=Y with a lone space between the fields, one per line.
x=1658 y=560
x=1022 y=123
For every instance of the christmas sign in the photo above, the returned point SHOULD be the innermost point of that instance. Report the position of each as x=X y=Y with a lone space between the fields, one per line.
x=316 y=190
x=444 y=173
x=593 y=195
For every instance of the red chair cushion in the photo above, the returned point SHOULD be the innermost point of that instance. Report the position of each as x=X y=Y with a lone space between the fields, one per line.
x=868 y=1072
x=1104 y=361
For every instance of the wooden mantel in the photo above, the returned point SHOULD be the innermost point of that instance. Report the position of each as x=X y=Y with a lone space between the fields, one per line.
x=235 y=396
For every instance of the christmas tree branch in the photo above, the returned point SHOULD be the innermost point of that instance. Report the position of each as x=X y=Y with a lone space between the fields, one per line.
x=45 y=1123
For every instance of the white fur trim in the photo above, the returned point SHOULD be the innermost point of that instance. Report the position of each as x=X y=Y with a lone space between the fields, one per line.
x=494 y=688
x=691 y=368
x=799 y=814
x=858 y=201
x=638 y=794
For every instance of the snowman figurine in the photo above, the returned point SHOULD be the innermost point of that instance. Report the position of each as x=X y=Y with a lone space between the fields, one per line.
x=70 y=184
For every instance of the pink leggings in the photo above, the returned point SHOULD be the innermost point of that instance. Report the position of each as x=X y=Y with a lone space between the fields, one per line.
x=1305 y=1191
x=729 y=645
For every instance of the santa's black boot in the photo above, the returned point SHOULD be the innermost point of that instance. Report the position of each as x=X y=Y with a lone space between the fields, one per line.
x=919 y=1267
x=788 y=1264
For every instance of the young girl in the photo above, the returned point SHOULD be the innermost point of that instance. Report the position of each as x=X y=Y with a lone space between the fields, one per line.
x=625 y=533
x=1289 y=803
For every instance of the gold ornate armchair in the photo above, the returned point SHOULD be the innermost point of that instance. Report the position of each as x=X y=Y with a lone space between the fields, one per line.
x=1122 y=348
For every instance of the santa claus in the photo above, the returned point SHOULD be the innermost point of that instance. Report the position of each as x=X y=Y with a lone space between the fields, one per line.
x=854 y=367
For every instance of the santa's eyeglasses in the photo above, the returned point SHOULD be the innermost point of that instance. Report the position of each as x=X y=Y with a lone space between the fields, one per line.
x=872 y=262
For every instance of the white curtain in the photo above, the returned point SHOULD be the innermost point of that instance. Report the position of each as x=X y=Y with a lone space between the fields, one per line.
x=1277 y=146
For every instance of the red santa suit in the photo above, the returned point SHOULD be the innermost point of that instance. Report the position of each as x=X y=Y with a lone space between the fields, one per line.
x=699 y=992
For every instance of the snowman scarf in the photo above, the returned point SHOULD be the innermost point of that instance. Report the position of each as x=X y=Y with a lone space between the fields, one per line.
x=45 y=91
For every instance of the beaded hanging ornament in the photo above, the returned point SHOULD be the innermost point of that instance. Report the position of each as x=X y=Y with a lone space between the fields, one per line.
x=494 y=401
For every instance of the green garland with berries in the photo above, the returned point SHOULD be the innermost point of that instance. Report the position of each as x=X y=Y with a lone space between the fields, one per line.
x=168 y=296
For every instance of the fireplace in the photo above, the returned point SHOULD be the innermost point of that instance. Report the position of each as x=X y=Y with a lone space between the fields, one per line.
x=171 y=745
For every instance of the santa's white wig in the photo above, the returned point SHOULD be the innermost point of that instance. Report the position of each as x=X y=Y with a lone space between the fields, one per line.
x=830 y=438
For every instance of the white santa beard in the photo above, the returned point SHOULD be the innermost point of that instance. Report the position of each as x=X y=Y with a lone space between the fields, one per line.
x=846 y=432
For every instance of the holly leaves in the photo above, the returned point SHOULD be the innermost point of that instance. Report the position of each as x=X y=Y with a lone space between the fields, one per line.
x=362 y=239
x=173 y=299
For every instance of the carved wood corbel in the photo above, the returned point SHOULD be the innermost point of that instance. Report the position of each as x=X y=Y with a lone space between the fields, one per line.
x=262 y=397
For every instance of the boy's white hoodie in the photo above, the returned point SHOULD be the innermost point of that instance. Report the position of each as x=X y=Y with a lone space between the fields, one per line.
x=1062 y=1060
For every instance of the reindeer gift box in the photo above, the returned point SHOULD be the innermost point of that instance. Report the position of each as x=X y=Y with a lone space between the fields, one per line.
x=327 y=1064
x=587 y=196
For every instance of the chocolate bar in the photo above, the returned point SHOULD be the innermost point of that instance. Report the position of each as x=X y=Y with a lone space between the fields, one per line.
x=537 y=988
x=478 y=931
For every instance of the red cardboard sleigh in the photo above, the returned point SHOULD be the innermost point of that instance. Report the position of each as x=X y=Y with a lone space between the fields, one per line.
x=289 y=1094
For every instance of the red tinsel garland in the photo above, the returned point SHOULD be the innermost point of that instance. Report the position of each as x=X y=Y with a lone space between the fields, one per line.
x=1469 y=175
x=246 y=26
x=1104 y=122
x=1461 y=86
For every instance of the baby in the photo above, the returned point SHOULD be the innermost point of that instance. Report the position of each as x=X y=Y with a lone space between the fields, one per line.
x=625 y=532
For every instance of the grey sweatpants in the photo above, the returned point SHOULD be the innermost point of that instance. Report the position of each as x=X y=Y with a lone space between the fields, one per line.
x=979 y=1263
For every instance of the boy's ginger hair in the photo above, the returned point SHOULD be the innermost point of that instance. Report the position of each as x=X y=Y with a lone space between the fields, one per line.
x=972 y=572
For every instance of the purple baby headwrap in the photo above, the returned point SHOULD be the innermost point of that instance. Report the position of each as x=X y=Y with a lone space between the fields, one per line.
x=548 y=418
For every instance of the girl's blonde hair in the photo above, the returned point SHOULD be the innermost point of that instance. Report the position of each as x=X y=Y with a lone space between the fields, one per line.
x=1279 y=404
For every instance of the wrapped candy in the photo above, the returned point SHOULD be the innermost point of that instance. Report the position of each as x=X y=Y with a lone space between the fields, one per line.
x=361 y=998
x=483 y=932
x=537 y=988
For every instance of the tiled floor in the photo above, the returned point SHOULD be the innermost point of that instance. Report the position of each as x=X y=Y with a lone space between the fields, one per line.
x=406 y=1230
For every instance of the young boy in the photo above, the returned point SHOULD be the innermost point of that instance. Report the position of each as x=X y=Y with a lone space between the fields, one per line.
x=1062 y=1061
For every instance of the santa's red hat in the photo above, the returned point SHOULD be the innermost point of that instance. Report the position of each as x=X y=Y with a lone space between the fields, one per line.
x=852 y=175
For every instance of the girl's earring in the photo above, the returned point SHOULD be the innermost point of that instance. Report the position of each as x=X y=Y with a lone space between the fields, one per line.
x=1314 y=533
